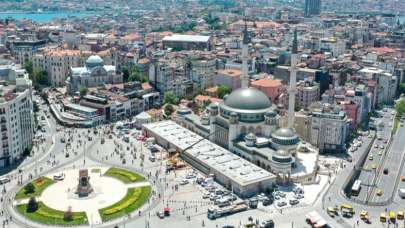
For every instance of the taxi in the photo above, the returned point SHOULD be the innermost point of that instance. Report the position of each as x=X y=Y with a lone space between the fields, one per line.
x=364 y=215
x=379 y=192
x=400 y=215
x=371 y=157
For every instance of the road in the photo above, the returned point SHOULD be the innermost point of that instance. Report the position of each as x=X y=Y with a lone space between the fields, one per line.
x=375 y=157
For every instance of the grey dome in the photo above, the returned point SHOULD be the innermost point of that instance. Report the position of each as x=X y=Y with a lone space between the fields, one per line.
x=247 y=99
x=94 y=60
x=284 y=133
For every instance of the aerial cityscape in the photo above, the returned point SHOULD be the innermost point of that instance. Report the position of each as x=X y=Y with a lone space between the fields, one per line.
x=202 y=113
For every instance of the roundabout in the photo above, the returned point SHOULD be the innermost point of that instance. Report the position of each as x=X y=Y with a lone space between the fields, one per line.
x=88 y=196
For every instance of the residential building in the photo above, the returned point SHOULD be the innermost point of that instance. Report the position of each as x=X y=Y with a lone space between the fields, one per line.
x=16 y=122
x=271 y=87
x=57 y=63
x=229 y=77
x=307 y=93
x=329 y=128
x=203 y=73
x=24 y=50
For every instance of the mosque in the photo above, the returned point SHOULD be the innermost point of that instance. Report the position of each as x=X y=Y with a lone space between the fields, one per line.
x=248 y=124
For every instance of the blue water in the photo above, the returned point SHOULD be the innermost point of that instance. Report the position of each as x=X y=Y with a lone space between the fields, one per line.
x=45 y=16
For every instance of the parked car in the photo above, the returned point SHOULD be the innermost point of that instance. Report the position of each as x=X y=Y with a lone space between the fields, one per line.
x=267 y=224
x=293 y=201
x=184 y=182
x=59 y=177
x=385 y=171
x=281 y=204
x=4 y=180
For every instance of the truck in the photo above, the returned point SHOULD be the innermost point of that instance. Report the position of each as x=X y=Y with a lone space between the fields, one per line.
x=215 y=212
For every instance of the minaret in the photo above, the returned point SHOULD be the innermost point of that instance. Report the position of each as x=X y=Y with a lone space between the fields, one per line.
x=293 y=81
x=245 y=44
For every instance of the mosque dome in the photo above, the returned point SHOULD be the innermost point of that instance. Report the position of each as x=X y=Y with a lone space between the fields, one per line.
x=247 y=99
x=285 y=136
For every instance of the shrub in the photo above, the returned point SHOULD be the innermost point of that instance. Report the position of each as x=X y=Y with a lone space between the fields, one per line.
x=29 y=188
x=32 y=205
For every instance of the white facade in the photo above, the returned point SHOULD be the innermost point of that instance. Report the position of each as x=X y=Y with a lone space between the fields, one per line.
x=16 y=125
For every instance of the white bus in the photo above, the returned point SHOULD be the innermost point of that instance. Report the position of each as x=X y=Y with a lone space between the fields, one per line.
x=356 y=188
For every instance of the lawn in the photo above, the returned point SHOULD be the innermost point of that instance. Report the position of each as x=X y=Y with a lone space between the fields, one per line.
x=124 y=175
x=40 y=185
x=49 y=216
x=133 y=200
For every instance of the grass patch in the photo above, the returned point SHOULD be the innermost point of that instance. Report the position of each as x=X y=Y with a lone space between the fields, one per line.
x=124 y=175
x=49 y=216
x=133 y=200
x=40 y=185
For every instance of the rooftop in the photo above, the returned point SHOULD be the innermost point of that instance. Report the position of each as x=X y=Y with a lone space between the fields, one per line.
x=266 y=82
x=209 y=154
x=187 y=38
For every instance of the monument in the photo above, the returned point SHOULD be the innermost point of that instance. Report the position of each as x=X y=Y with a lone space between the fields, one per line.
x=84 y=188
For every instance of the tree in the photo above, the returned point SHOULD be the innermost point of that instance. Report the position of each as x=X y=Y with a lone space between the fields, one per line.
x=169 y=110
x=40 y=77
x=402 y=88
x=125 y=73
x=170 y=98
x=223 y=90
x=32 y=205
x=83 y=91
x=29 y=188
x=134 y=73
x=28 y=67
x=400 y=106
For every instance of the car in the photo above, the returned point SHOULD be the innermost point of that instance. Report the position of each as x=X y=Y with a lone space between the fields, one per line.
x=381 y=146
x=4 y=180
x=267 y=224
x=190 y=176
x=299 y=196
x=281 y=203
x=62 y=140
x=380 y=153
x=206 y=195
x=374 y=166
x=59 y=177
x=349 y=159
x=294 y=202
x=403 y=178
x=160 y=214
x=376 y=146
x=43 y=130
x=379 y=192
x=385 y=171
x=266 y=202
x=371 y=157
x=152 y=158
x=66 y=155
x=184 y=182
x=42 y=117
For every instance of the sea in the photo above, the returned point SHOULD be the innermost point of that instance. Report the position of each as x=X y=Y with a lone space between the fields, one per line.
x=43 y=17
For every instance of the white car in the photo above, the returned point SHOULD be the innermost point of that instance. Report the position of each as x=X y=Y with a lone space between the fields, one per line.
x=184 y=182
x=59 y=177
x=281 y=204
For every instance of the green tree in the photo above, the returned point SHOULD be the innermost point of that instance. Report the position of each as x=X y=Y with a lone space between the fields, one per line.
x=40 y=77
x=400 y=106
x=125 y=73
x=169 y=110
x=170 y=98
x=32 y=205
x=29 y=188
x=29 y=67
x=135 y=74
x=83 y=91
x=223 y=90
x=402 y=88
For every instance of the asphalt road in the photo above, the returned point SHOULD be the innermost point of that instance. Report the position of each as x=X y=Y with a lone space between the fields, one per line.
x=374 y=161
x=393 y=163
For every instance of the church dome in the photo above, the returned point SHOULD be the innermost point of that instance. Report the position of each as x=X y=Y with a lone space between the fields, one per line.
x=94 y=61
x=247 y=99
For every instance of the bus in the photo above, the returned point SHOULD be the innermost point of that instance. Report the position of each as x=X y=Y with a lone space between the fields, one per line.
x=356 y=188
